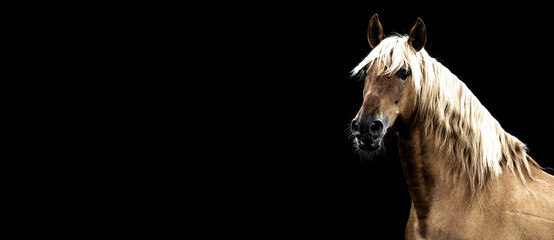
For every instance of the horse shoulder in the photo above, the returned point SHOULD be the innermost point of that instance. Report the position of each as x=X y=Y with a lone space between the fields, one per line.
x=515 y=211
x=506 y=210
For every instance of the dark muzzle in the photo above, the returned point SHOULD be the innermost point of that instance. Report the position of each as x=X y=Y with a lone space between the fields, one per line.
x=368 y=132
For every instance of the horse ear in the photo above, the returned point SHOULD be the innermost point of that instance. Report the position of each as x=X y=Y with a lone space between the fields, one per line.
x=375 y=31
x=418 y=35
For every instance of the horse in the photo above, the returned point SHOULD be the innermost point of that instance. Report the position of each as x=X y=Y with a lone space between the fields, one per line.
x=467 y=177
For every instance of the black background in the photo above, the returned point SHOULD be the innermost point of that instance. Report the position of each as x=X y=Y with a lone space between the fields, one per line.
x=316 y=187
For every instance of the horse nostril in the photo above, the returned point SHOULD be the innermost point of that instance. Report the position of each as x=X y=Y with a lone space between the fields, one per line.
x=355 y=127
x=376 y=126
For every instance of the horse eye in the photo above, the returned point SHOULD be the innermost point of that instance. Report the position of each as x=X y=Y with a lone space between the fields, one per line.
x=403 y=73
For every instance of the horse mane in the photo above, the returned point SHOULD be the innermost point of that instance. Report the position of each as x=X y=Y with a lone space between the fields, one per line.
x=452 y=116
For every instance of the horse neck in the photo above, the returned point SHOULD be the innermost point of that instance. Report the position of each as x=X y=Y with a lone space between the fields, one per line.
x=426 y=173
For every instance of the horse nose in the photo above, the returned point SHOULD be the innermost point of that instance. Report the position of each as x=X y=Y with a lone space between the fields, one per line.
x=373 y=128
x=368 y=132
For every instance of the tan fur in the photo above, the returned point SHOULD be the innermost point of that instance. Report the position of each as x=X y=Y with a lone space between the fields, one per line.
x=444 y=208
x=468 y=178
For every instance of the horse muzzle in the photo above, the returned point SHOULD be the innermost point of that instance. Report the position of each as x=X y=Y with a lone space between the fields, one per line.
x=368 y=132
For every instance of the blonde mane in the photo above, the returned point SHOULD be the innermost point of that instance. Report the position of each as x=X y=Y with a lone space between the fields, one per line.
x=448 y=112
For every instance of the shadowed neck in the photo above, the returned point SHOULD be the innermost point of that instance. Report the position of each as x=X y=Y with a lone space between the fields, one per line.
x=427 y=177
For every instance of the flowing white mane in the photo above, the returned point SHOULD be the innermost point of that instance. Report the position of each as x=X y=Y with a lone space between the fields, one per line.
x=448 y=111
